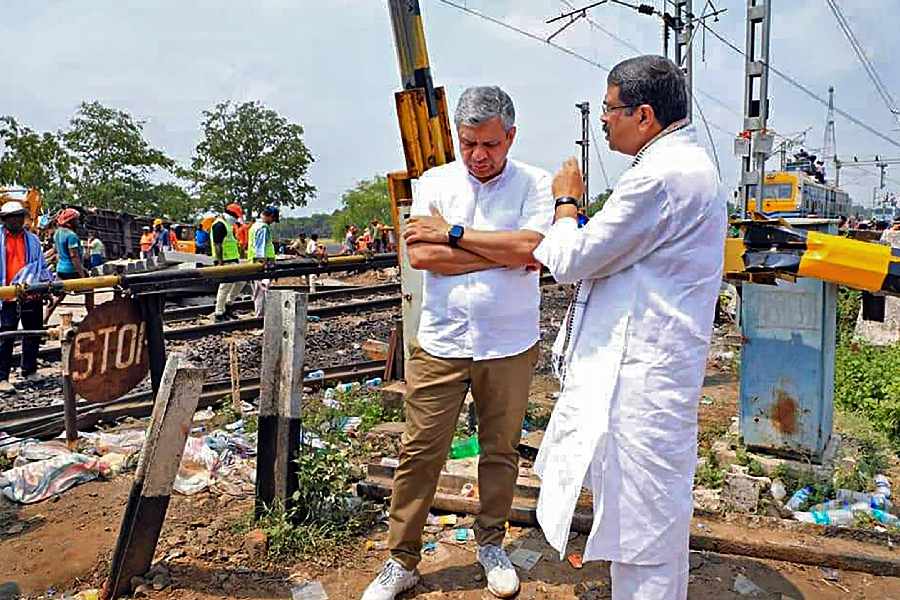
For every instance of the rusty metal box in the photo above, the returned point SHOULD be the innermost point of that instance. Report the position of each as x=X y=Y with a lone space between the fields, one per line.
x=787 y=363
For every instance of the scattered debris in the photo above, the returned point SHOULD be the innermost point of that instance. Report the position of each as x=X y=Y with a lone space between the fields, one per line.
x=524 y=559
x=741 y=492
x=309 y=590
x=575 y=560
x=745 y=587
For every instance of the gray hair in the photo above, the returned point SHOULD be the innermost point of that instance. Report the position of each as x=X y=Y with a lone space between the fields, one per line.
x=653 y=80
x=482 y=103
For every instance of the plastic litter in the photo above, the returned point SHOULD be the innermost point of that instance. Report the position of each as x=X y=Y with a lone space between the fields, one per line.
x=465 y=448
x=308 y=590
x=883 y=485
x=373 y=383
x=390 y=462
x=575 y=560
x=799 y=499
x=429 y=547
x=841 y=516
x=204 y=415
x=443 y=520
x=524 y=559
x=348 y=387
x=462 y=534
x=778 y=490
x=314 y=375
x=743 y=586
x=468 y=491
x=40 y=480
x=313 y=318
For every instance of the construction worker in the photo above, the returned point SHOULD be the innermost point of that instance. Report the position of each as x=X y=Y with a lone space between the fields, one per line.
x=21 y=261
x=147 y=239
x=201 y=240
x=261 y=248
x=225 y=250
x=69 y=254
x=162 y=241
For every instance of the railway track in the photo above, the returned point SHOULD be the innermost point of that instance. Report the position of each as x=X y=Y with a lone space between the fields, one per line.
x=47 y=421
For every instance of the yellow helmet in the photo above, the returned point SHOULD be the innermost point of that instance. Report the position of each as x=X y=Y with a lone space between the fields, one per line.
x=157 y=222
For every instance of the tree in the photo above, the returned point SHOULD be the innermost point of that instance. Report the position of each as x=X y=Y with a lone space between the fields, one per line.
x=112 y=162
x=596 y=205
x=368 y=200
x=251 y=155
x=33 y=159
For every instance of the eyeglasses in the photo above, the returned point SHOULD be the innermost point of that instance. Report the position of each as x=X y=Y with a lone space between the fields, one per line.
x=609 y=109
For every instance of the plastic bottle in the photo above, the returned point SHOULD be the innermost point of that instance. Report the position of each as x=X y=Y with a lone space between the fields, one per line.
x=778 y=490
x=882 y=485
x=347 y=387
x=799 y=498
x=876 y=500
x=464 y=448
x=314 y=375
x=831 y=505
x=374 y=382
x=827 y=517
x=885 y=517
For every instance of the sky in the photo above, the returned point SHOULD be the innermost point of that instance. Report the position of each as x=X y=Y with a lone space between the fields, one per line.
x=330 y=65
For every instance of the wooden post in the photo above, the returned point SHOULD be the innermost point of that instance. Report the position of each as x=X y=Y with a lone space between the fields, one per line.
x=66 y=334
x=148 y=501
x=281 y=391
x=235 y=368
x=151 y=309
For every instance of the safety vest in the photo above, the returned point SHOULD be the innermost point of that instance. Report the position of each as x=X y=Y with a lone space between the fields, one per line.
x=229 y=244
x=256 y=229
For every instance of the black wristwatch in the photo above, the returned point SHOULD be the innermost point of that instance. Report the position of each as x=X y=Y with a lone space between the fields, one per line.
x=454 y=235
x=566 y=200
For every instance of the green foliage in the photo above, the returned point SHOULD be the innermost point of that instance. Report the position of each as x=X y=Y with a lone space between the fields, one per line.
x=251 y=155
x=754 y=468
x=848 y=303
x=794 y=479
x=867 y=382
x=292 y=227
x=864 y=453
x=368 y=200
x=112 y=162
x=367 y=405
x=596 y=204
x=710 y=473
x=32 y=159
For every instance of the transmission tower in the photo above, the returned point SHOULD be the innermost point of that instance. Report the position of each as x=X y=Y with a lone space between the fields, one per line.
x=829 y=145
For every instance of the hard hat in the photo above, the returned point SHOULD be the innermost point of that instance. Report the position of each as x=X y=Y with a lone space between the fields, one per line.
x=272 y=211
x=235 y=209
x=146 y=228
x=13 y=207
x=67 y=215
x=157 y=222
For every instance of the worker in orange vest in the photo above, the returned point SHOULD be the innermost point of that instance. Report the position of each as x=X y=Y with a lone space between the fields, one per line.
x=147 y=239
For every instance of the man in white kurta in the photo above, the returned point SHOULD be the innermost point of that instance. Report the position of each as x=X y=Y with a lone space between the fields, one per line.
x=632 y=352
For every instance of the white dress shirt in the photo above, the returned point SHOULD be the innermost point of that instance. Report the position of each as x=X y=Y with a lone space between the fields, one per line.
x=492 y=313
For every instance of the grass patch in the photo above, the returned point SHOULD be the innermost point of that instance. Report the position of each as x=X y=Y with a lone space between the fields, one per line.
x=865 y=452
x=710 y=473
x=867 y=383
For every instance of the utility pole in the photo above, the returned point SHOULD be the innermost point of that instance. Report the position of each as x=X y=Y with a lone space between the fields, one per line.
x=756 y=103
x=681 y=23
x=829 y=144
x=585 y=142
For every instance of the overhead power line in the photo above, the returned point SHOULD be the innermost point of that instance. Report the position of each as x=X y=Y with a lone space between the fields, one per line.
x=804 y=89
x=565 y=50
x=864 y=60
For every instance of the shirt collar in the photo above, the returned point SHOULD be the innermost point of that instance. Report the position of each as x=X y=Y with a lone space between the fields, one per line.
x=497 y=179
x=672 y=128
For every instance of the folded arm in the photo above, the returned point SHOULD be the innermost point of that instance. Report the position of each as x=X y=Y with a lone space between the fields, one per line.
x=444 y=260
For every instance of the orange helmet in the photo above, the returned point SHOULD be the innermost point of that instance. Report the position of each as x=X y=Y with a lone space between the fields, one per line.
x=235 y=209
x=67 y=215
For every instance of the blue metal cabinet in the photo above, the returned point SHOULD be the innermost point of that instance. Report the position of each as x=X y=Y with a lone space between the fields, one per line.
x=787 y=363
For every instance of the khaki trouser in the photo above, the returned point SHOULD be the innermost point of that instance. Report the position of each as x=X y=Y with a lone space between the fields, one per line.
x=436 y=390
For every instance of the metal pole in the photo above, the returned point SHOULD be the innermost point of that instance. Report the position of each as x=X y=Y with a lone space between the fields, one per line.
x=66 y=336
x=584 y=142
x=684 y=47
x=756 y=99
x=151 y=310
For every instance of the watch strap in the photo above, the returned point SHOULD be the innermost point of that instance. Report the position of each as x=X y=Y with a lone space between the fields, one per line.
x=566 y=200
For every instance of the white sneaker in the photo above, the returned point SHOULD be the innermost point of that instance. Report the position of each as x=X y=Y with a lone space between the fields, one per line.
x=502 y=580
x=392 y=580
x=6 y=387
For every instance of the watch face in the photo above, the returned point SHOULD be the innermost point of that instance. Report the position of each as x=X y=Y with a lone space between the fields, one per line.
x=456 y=231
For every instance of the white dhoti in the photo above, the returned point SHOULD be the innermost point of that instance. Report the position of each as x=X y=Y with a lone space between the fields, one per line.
x=259 y=295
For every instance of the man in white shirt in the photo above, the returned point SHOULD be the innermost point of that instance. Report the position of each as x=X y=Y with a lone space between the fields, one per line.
x=479 y=329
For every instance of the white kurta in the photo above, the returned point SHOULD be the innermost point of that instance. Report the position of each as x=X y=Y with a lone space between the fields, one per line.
x=625 y=424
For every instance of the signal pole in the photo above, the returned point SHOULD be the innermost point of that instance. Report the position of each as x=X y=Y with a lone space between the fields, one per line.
x=829 y=144
x=585 y=142
x=681 y=24
x=756 y=103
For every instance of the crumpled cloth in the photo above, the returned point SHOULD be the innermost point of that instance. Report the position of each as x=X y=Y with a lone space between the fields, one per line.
x=37 y=481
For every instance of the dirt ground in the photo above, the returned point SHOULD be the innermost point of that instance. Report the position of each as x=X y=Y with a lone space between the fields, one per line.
x=64 y=545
